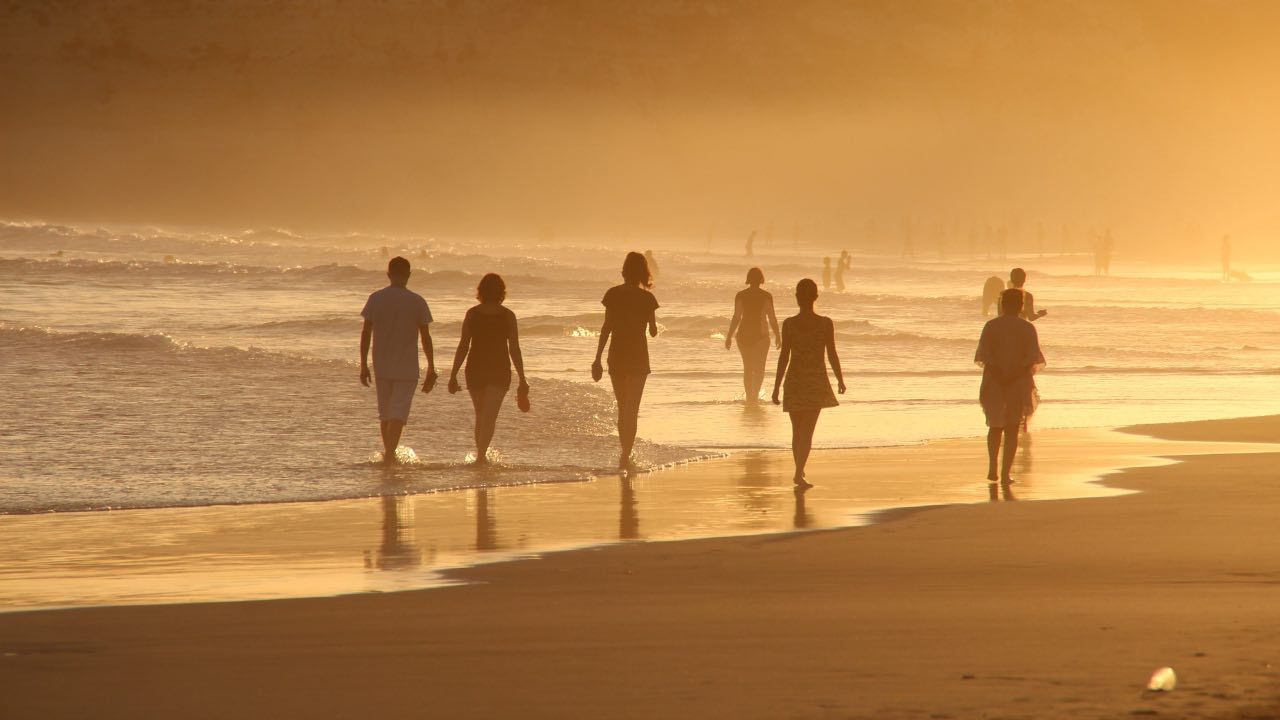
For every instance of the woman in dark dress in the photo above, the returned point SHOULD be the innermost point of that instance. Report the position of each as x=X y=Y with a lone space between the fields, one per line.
x=628 y=309
x=805 y=337
x=490 y=344
x=753 y=316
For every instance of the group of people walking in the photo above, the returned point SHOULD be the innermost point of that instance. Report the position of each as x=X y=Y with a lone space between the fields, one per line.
x=396 y=319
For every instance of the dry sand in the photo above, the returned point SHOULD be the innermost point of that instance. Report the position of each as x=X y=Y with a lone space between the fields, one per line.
x=1047 y=609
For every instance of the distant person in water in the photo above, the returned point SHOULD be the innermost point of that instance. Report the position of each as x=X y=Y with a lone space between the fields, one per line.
x=628 y=309
x=805 y=337
x=394 y=318
x=751 y=244
x=490 y=344
x=991 y=290
x=1017 y=279
x=841 y=265
x=1009 y=355
x=826 y=273
x=653 y=263
x=753 y=317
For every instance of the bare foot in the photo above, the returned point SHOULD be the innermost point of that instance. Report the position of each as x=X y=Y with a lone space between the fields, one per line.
x=1006 y=480
x=801 y=483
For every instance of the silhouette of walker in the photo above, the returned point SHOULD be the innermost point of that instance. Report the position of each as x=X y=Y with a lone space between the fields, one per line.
x=394 y=318
x=1017 y=279
x=752 y=309
x=490 y=344
x=628 y=308
x=805 y=336
x=1009 y=355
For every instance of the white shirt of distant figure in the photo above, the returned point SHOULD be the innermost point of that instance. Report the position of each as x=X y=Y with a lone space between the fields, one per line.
x=395 y=317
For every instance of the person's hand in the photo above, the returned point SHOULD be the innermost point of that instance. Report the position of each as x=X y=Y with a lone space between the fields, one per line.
x=364 y=375
x=597 y=370
x=1041 y=313
x=454 y=387
x=653 y=331
x=429 y=382
x=777 y=343
x=728 y=342
x=776 y=399
x=840 y=385
x=524 y=385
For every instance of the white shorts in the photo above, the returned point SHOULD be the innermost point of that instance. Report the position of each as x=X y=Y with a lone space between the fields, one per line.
x=394 y=398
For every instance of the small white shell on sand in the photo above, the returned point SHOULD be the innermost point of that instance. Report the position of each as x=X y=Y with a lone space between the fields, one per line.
x=1163 y=680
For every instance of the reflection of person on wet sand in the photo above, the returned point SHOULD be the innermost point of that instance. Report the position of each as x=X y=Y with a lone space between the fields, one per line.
x=486 y=523
x=1009 y=355
x=397 y=549
x=805 y=337
x=394 y=318
x=752 y=309
x=490 y=343
x=628 y=308
x=801 y=519
x=628 y=515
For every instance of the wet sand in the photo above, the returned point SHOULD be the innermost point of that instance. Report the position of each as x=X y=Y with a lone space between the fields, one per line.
x=1006 y=609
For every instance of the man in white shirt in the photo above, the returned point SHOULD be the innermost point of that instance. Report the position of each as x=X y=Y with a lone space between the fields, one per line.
x=394 y=318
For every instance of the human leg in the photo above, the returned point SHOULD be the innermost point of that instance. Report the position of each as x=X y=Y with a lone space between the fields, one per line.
x=993 y=451
x=395 y=397
x=628 y=390
x=490 y=403
x=803 y=423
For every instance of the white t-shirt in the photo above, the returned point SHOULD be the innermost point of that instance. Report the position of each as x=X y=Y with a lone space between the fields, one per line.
x=396 y=313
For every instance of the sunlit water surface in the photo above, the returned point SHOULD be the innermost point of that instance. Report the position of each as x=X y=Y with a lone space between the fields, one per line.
x=148 y=368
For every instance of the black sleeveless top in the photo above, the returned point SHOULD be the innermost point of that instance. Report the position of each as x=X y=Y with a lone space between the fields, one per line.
x=489 y=359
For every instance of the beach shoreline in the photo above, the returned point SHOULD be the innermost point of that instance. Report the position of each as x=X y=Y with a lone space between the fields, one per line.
x=1046 y=609
x=230 y=553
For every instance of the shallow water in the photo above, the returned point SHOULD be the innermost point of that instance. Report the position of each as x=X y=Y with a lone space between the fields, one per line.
x=148 y=368
x=406 y=542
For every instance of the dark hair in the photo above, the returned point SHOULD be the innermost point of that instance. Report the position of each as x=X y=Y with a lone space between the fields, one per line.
x=1018 y=276
x=398 y=266
x=1011 y=301
x=806 y=291
x=491 y=289
x=635 y=270
x=755 y=276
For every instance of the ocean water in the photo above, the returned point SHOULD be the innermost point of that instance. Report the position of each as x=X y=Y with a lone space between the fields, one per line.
x=148 y=367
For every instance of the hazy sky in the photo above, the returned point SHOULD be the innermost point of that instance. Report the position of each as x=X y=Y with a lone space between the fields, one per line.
x=662 y=116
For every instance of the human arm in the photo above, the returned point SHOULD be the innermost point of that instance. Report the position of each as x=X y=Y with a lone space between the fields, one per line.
x=606 y=329
x=459 y=355
x=733 y=324
x=773 y=319
x=366 y=337
x=428 y=348
x=832 y=356
x=653 y=320
x=784 y=356
x=513 y=344
x=1030 y=302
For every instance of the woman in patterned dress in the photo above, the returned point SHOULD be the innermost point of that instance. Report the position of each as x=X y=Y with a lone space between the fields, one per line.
x=806 y=336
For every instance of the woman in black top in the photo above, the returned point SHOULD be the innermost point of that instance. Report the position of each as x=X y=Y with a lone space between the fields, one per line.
x=628 y=308
x=490 y=344
x=753 y=316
